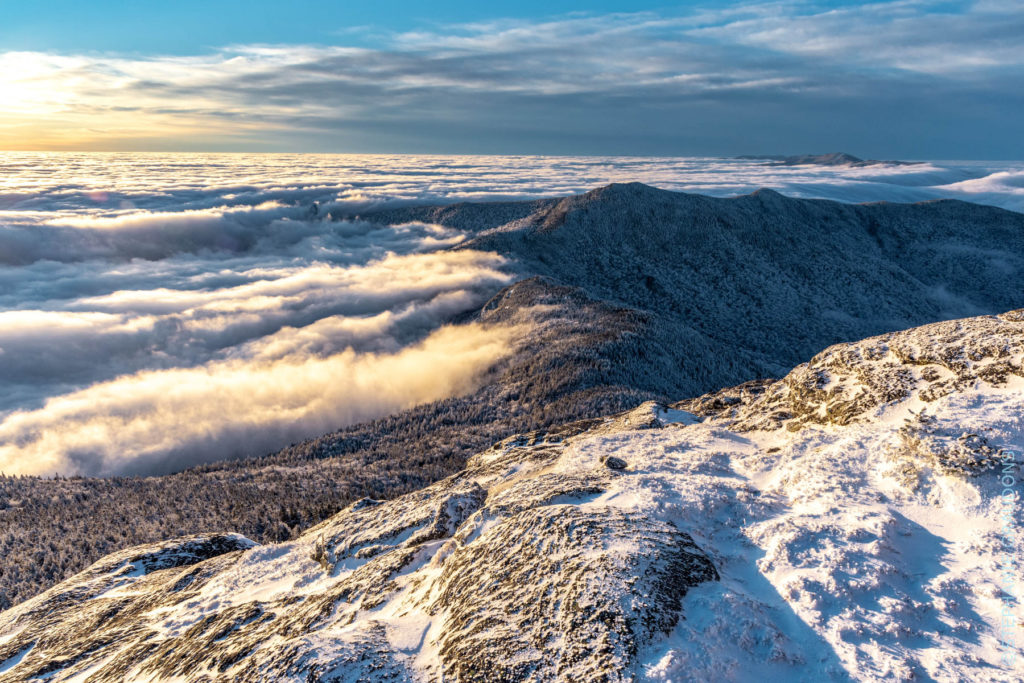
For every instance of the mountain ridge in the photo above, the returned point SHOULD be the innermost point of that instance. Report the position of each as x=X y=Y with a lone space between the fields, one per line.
x=770 y=261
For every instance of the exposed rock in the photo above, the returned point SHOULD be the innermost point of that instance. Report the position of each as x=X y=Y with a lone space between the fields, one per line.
x=532 y=600
x=613 y=463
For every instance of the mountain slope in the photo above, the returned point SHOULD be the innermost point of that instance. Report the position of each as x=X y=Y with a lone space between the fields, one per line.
x=581 y=359
x=845 y=522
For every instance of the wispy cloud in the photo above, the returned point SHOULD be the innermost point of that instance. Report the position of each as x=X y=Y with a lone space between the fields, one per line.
x=566 y=83
x=953 y=39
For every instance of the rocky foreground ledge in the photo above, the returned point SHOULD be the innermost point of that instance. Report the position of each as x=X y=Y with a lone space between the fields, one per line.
x=843 y=523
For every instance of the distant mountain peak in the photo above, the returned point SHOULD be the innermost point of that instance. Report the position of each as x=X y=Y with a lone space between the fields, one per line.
x=767 y=193
x=630 y=189
x=828 y=159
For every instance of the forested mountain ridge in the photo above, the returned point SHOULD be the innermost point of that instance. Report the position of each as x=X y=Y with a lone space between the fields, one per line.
x=770 y=278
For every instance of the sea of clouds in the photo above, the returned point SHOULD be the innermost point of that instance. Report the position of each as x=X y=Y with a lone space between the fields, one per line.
x=159 y=311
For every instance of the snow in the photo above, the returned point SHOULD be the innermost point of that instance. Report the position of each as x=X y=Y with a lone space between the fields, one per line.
x=667 y=416
x=896 y=584
x=833 y=568
x=11 y=662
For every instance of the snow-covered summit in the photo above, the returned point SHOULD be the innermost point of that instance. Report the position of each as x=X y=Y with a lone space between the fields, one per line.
x=845 y=522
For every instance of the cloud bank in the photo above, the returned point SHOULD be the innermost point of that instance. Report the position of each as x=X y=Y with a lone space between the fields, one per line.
x=148 y=339
x=914 y=78
x=157 y=421
x=240 y=194
x=176 y=316
x=149 y=366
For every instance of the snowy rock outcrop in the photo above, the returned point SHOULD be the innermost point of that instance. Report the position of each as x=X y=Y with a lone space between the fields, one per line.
x=847 y=522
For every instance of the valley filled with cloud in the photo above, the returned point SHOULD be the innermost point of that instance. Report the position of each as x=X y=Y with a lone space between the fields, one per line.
x=164 y=310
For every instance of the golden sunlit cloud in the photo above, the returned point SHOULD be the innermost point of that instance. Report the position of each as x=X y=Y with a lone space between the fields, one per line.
x=173 y=418
x=53 y=102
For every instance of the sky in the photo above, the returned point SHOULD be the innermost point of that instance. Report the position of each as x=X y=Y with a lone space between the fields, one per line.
x=917 y=79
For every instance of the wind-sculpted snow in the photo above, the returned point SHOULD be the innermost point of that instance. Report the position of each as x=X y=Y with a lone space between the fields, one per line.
x=843 y=523
x=854 y=382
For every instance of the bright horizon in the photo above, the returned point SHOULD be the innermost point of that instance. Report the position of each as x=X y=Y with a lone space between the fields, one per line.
x=487 y=155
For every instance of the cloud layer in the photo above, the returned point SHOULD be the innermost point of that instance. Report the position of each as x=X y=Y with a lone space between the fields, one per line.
x=919 y=78
x=147 y=339
x=174 y=316
x=192 y=198
x=203 y=359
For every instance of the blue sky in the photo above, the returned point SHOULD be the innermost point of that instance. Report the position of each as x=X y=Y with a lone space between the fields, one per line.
x=910 y=78
x=187 y=26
